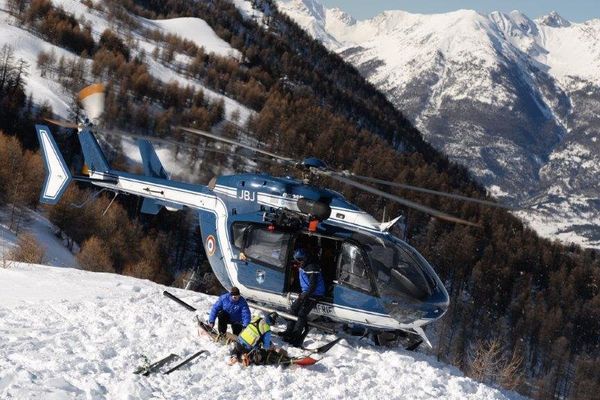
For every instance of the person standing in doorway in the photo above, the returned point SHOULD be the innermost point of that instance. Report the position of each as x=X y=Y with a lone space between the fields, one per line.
x=312 y=285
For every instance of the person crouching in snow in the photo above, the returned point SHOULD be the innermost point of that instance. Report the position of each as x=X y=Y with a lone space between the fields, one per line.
x=231 y=308
x=253 y=340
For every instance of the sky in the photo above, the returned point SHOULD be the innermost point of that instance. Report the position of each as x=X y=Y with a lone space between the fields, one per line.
x=573 y=10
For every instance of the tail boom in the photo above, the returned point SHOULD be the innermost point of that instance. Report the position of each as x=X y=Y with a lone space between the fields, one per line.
x=157 y=189
x=161 y=192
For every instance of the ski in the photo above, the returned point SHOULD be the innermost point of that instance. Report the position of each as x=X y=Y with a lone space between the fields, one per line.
x=304 y=361
x=205 y=329
x=184 y=362
x=155 y=366
x=323 y=349
x=269 y=357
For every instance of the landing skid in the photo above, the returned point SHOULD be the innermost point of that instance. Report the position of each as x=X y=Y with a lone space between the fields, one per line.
x=397 y=338
x=409 y=341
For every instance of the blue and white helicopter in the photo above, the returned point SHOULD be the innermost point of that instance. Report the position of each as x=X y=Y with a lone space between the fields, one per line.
x=251 y=224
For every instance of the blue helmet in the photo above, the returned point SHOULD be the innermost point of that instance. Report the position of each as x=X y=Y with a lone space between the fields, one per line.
x=270 y=318
x=300 y=254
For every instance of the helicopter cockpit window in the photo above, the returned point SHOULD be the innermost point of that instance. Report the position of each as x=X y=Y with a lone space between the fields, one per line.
x=400 y=268
x=239 y=233
x=267 y=247
x=353 y=268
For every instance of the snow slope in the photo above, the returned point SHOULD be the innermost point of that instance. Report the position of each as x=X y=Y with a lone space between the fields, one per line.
x=71 y=334
x=37 y=225
x=27 y=46
x=248 y=11
x=197 y=31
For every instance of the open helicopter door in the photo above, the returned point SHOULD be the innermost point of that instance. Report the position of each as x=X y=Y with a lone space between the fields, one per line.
x=263 y=258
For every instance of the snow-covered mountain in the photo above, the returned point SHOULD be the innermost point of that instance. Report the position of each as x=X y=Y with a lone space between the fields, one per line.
x=516 y=100
x=71 y=334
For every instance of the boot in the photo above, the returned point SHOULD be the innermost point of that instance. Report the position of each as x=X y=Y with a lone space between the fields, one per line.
x=245 y=359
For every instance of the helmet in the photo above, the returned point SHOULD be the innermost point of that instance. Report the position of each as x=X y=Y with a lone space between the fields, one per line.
x=300 y=254
x=270 y=318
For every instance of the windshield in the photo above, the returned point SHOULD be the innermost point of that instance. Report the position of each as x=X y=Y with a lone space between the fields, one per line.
x=353 y=268
x=398 y=268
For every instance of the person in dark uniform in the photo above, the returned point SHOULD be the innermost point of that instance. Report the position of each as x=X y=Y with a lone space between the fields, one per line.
x=313 y=288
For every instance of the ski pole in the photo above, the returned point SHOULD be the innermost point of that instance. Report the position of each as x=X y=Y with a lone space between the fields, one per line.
x=187 y=360
x=178 y=300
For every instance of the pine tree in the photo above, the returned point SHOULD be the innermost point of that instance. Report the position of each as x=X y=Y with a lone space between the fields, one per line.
x=28 y=250
x=94 y=256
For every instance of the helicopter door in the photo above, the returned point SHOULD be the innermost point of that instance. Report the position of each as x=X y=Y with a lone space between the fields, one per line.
x=266 y=255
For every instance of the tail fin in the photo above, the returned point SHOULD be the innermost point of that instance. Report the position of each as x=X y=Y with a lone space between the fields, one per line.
x=154 y=168
x=92 y=153
x=152 y=165
x=58 y=176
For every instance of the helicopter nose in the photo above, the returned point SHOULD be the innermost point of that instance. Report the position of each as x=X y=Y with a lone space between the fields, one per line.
x=437 y=304
x=407 y=310
x=434 y=311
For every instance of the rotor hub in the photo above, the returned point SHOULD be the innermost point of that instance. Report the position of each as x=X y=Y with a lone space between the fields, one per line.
x=313 y=162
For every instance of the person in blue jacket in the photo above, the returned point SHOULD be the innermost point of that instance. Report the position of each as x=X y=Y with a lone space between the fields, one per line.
x=231 y=308
x=313 y=288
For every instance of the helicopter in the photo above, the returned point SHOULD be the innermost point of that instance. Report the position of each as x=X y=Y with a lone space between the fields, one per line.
x=251 y=223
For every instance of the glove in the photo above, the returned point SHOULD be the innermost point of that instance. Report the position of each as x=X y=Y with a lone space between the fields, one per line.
x=211 y=325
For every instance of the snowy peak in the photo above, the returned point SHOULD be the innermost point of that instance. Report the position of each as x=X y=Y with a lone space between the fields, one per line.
x=554 y=20
x=312 y=8
x=395 y=22
x=518 y=31
x=515 y=21
x=571 y=51
x=338 y=15
x=312 y=17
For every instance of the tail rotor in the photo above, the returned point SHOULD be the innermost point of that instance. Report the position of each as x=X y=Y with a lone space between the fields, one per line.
x=92 y=99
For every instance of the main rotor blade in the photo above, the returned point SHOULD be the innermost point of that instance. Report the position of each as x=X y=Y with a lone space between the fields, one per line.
x=428 y=191
x=230 y=141
x=64 y=124
x=431 y=211
x=119 y=133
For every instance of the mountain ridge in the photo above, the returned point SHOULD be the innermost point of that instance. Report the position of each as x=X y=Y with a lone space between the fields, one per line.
x=512 y=98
